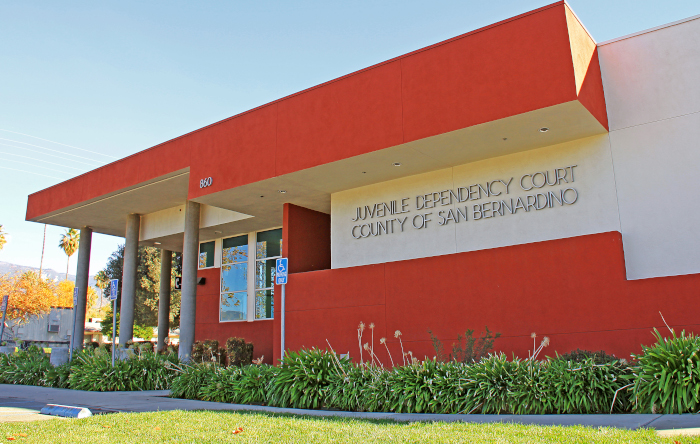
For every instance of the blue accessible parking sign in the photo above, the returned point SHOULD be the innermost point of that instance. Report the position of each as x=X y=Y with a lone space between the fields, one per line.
x=281 y=271
x=113 y=287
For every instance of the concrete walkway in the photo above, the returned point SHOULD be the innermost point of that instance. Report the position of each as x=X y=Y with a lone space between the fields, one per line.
x=33 y=398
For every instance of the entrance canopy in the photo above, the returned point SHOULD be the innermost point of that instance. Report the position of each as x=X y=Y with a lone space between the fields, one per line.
x=523 y=83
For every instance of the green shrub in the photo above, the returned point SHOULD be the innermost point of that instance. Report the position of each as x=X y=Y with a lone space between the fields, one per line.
x=451 y=386
x=240 y=352
x=360 y=388
x=191 y=378
x=239 y=385
x=221 y=385
x=255 y=383
x=303 y=377
x=208 y=351
x=24 y=367
x=146 y=371
x=529 y=384
x=412 y=387
x=577 y=387
x=58 y=377
x=578 y=355
x=490 y=382
x=667 y=376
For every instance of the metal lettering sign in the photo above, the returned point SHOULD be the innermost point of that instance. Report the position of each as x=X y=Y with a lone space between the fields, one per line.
x=75 y=296
x=281 y=271
x=4 y=303
x=113 y=288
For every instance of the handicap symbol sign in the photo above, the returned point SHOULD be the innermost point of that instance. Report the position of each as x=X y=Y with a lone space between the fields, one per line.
x=113 y=286
x=281 y=271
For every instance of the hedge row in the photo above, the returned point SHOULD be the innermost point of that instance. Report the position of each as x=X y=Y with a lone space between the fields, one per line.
x=665 y=378
x=91 y=370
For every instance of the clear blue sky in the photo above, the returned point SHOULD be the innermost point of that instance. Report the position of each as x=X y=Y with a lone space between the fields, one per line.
x=118 y=77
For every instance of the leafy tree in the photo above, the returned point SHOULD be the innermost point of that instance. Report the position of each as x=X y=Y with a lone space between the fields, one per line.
x=3 y=241
x=69 y=243
x=143 y=332
x=64 y=294
x=140 y=331
x=148 y=279
x=107 y=323
x=32 y=295
x=28 y=295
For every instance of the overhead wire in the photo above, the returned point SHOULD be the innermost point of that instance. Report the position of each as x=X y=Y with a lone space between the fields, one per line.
x=59 y=143
x=45 y=161
x=30 y=172
x=47 y=154
x=35 y=166
x=51 y=149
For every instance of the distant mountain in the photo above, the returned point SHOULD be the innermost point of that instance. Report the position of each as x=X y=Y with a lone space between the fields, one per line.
x=6 y=267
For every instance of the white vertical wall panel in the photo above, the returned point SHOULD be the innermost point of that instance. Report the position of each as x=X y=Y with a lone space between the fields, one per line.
x=408 y=243
x=653 y=75
x=656 y=166
x=595 y=211
x=652 y=92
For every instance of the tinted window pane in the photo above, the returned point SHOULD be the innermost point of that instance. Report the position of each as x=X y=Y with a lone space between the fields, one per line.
x=264 y=304
x=269 y=244
x=234 y=306
x=237 y=241
x=235 y=254
x=265 y=273
x=206 y=254
x=234 y=277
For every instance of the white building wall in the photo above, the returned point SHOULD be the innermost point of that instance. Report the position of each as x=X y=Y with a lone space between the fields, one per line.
x=172 y=220
x=652 y=93
x=594 y=211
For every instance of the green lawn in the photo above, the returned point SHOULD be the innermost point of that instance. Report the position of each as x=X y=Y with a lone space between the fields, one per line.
x=219 y=427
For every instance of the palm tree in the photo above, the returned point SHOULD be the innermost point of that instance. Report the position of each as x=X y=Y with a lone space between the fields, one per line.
x=3 y=241
x=102 y=282
x=69 y=243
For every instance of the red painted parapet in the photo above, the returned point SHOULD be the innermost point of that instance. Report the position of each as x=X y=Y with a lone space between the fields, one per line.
x=529 y=62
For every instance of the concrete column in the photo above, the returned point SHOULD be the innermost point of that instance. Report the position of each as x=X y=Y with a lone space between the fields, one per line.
x=131 y=259
x=81 y=282
x=166 y=257
x=190 y=256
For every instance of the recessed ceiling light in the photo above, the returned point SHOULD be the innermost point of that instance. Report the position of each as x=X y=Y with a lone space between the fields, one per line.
x=217 y=232
x=505 y=138
x=282 y=191
x=397 y=164
x=364 y=172
x=544 y=129
x=262 y=196
x=156 y=243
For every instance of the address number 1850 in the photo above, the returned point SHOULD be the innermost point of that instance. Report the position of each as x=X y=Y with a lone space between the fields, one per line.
x=203 y=183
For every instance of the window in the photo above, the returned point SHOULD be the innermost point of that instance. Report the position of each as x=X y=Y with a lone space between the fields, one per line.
x=206 y=254
x=234 y=279
x=268 y=249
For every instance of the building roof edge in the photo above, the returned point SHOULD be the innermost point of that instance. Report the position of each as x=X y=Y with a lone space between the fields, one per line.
x=646 y=31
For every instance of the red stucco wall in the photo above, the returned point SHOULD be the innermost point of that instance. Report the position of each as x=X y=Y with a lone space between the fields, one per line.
x=306 y=239
x=207 y=325
x=572 y=290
